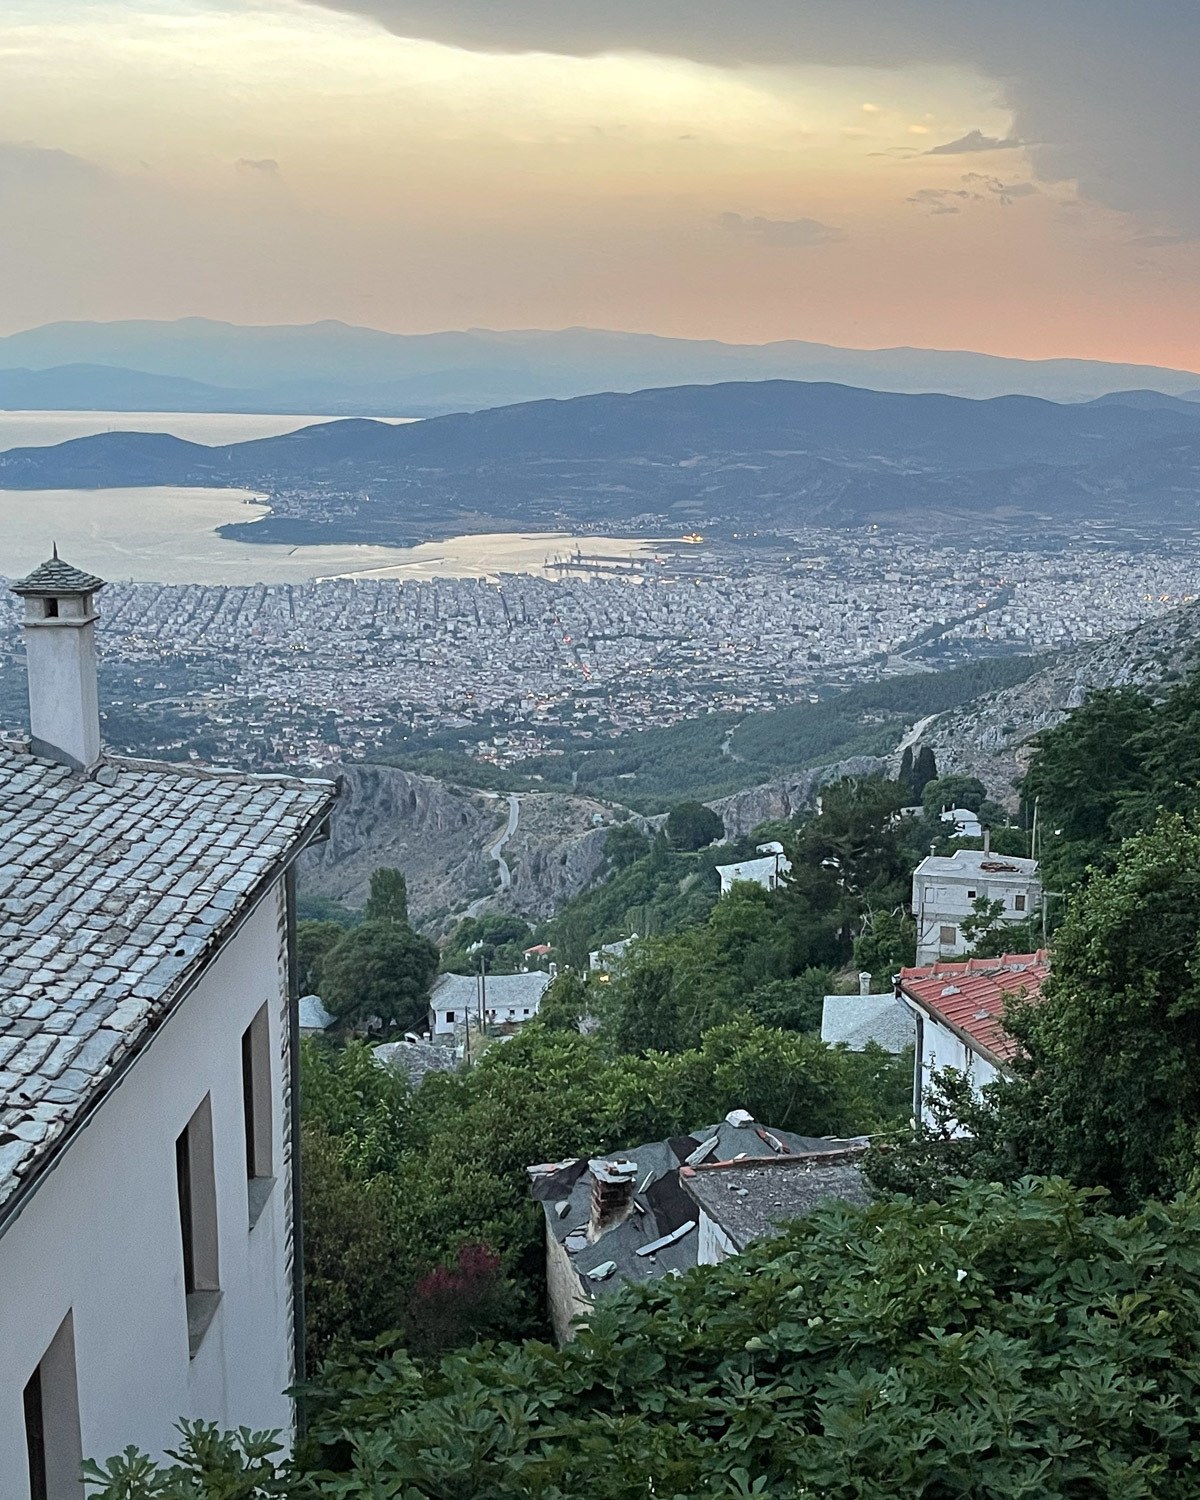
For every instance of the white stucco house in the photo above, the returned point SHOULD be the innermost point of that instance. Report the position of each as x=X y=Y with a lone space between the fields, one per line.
x=767 y=871
x=946 y=887
x=958 y=1010
x=149 y=1248
x=501 y=1000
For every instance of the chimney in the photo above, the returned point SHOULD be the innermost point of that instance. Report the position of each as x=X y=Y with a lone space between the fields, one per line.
x=987 y=839
x=612 y=1194
x=60 y=656
x=864 y=982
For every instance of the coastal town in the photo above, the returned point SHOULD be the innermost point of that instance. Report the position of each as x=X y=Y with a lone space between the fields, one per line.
x=301 y=674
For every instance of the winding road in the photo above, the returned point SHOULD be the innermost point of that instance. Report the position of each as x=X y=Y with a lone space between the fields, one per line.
x=495 y=852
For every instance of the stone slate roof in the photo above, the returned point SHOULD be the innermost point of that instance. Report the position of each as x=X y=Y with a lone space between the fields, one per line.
x=460 y=991
x=856 y=1020
x=312 y=1014
x=55 y=576
x=752 y=1199
x=114 y=888
x=661 y=1206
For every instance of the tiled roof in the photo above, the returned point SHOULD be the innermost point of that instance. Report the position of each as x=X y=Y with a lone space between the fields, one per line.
x=113 y=888
x=970 y=996
x=55 y=576
x=461 y=991
x=416 y=1059
x=313 y=1015
x=755 y=1198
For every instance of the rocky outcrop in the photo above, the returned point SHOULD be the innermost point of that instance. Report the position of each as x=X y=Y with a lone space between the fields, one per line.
x=744 y=811
x=441 y=835
x=557 y=850
x=385 y=816
x=990 y=737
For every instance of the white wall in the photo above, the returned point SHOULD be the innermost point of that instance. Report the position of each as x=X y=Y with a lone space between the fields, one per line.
x=941 y=1048
x=101 y=1239
x=713 y=1244
x=945 y=901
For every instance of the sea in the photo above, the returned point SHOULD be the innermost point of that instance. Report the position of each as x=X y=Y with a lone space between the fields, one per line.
x=167 y=534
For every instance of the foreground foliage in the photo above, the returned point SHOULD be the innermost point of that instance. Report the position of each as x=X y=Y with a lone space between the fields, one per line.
x=1011 y=1342
x=397 y=1185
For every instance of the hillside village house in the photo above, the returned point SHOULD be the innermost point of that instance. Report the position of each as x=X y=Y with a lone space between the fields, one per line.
x=149 y=1249
x=766 y=871
x=667 y=1206
x=945 y=889
x=857 y=1021
x=959 y=1009
x=505 y=1001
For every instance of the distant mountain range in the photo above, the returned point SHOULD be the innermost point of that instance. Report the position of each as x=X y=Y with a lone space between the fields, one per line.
x=195 y=364
x=779 y=453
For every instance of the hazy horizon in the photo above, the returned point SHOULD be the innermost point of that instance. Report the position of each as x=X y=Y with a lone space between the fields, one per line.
x=766 y=343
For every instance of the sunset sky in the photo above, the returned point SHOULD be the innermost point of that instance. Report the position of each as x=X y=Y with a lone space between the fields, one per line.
x=944 y=173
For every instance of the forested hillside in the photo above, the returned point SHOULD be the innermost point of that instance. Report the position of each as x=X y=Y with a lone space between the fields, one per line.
x=714 y=756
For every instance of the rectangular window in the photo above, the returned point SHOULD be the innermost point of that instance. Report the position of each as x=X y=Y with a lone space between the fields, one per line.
x=52 y=1440
x=949 y=936
x=449 y=1016
x=1019 y=903
x=196 y=1184
x=256 y=1112
x=970 y=895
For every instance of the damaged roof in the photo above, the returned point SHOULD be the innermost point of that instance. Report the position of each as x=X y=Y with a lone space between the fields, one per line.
x=754 y=1198
x=664 y=1208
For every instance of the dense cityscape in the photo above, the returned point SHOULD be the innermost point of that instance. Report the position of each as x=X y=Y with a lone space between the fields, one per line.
x=305 y=674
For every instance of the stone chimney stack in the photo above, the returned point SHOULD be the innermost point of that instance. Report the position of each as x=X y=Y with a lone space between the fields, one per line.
x=613 y=1184
x=60 y=655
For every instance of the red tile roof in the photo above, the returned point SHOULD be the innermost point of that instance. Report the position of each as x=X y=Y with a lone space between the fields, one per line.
x=969 y=996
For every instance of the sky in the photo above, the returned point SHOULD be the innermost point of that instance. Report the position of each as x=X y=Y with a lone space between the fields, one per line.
x=1016 y=177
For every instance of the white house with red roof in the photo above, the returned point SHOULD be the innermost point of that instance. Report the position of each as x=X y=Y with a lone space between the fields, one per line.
x=959 y=1013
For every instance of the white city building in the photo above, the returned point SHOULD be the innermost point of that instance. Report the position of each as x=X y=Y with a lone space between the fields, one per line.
x=945 y=889
x=149 y=1257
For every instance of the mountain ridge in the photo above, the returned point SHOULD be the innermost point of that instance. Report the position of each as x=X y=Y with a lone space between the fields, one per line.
x=777 y=453
x=341 y=367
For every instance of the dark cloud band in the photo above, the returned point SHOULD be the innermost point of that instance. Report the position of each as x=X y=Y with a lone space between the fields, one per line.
x=1105 y=87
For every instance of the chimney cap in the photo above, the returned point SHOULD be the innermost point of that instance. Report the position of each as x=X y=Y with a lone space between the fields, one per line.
x=55 y=576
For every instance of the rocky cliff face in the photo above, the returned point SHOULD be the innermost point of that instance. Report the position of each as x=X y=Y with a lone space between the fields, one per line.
x=385 y=816
x=790 y=795
x=990 y=737
x=441 y=837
